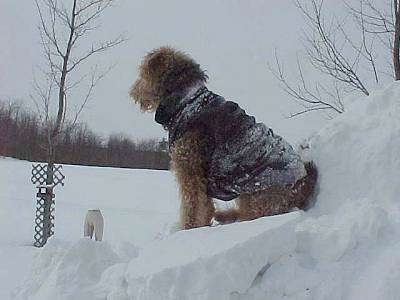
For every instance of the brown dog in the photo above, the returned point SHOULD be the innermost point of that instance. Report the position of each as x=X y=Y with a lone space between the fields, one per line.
x=217 y=150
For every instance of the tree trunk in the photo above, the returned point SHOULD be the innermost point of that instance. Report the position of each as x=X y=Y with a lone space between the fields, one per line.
x=396 y=42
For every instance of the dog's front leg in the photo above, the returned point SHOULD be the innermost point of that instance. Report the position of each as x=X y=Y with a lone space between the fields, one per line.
x=197 y=209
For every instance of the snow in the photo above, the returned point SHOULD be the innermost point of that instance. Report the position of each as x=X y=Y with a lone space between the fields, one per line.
x=131 y=219
x=345 y=247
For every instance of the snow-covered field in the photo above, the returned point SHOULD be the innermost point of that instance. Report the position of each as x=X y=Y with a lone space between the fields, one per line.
x=138 y=206
x=346 y=247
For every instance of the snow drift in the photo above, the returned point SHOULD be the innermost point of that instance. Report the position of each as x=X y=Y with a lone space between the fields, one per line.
x=345 y=247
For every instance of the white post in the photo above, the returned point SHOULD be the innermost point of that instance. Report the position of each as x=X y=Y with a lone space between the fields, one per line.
x=94 y=223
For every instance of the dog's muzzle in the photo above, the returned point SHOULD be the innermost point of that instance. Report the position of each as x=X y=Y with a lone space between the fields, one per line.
x=163 y=115
x=167 y=110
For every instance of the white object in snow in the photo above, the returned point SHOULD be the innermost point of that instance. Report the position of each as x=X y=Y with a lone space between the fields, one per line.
x=94 y=223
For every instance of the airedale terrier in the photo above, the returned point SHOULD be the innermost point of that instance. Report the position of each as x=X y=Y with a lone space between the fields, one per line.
x=217 y=150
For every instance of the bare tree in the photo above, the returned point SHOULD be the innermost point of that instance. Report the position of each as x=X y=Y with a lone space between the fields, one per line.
x=382 y=22
x=62 y=29
x=347 y=59
x=316 y=97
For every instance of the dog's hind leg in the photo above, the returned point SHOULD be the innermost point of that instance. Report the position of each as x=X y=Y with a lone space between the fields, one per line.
x=279 y=200
x=227 y=216
x=197 y=209
x=249 y=207
x=272 y=201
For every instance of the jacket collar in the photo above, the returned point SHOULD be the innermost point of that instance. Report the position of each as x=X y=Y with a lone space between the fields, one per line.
x=172 y=107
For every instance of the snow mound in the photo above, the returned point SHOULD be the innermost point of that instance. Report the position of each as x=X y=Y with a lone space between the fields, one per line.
x=357 y=154
x=345 y=247
x=64 y=271
x=207 y=263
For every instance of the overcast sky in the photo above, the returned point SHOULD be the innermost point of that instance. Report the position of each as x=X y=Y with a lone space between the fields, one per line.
x=232 y=39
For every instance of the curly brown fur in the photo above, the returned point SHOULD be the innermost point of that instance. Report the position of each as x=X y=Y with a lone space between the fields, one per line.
x=304 y=189
x=197 y=209
x=164 y=71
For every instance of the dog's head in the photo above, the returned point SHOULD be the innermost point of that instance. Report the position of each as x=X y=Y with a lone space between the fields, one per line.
x=165 y=72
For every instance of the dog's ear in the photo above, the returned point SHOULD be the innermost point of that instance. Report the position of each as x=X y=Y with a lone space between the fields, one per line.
x=167 y=109
x=181 y=75
x=158 y=62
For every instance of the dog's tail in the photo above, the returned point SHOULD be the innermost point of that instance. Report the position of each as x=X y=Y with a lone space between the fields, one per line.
x=304 y=189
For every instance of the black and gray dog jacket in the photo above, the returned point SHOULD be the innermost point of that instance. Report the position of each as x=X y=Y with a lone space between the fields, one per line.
x=241 y=155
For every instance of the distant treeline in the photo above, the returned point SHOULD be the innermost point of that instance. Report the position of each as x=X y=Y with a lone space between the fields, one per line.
x=24 y=136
